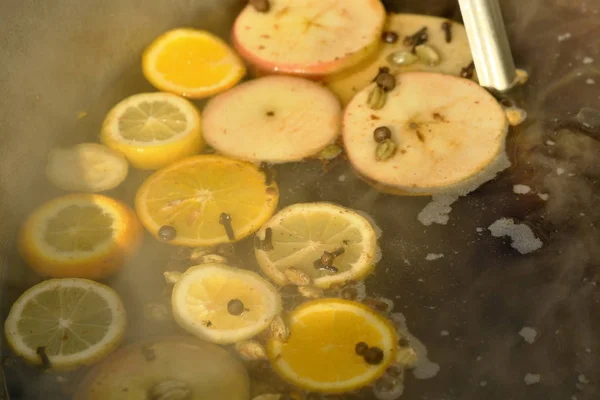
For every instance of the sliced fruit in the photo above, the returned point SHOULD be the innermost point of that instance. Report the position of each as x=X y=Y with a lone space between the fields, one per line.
x=80 y=236
x=454 y=56
x=74 y=322
x=309 y=37
x=275 y=119
x=320 y=354
x=191 y=63
x=153 y=129
x=447 y=130
x=86 y=167
x=222 y=304
x=193 y=197
x=302 y=233
x=177 y=365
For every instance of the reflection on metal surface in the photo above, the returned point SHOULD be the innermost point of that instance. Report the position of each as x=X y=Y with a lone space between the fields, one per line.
x=489 y=43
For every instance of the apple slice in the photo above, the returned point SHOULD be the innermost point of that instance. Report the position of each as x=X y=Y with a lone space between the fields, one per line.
x=274 y=119
x=447 y=130
x=309 y=37
x=454 y=56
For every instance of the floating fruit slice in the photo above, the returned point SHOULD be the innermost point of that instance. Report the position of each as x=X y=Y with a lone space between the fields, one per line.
x=453 y=56
x=321 y=353
x=275 y=119
x=309 y=37
x=71 y=322
x=447 y=130
x=191 y=63
x=175 y=367
x=299 y=236
x=80 y=236
x=153 y=129
x=86 y=167
x=223 y=304
x=197 y=199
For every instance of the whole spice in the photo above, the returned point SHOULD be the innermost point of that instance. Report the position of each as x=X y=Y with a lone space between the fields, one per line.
x=349 y=293
x=278 y=329
x=467 y=72
x=251 y=350
x=262 y=6
x=428 y=54
x=235 y=307
x=385 y=150
x=267 y=243
x=225 y=220
x=378 y=304
x=406 y=356
x=199 y=252
x=171 y=277
x=401 y=57
x=226 y=250
x=360 y=348
x=373 y=355
x=389 y=37
x=382 y=133
x=170 y=390
x=377 y=98
x=310 y=292
x=213 y=258
x=447 y=28
x=167 y=233
x=268 y=171
x=515 y=115
x=297 y=277
x=385 y=80
x=419 y=37
x=330 y=152
x=41 y=351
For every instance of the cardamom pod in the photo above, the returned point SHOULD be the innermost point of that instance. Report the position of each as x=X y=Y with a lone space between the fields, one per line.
x=401 y=58
x=428 y=54
x=385 y=150
x=377 y=98
x=330 y=152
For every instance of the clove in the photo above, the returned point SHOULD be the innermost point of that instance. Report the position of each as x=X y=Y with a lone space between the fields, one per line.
x=325 y=262
x=225 y=220
x=419 y=37
x=268 y=171
x=41 y=351
x=447 y=28
x=467 y=72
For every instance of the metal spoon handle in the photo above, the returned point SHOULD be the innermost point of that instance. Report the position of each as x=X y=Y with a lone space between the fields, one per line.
x=489 y=43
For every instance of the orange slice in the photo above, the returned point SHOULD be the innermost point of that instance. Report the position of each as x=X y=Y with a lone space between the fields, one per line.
x=320 y=354
x=191 y=63
x=80 y=236
x=190 y=197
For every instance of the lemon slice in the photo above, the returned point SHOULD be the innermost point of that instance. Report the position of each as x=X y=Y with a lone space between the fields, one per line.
x=192 y=196
x=191 y=63
x=181 y=365
x=320 y=354
x=153 y=129
x=80 y=236
x=302 y=233
x=76 y=322
x=223 y=304
x=86 y=167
